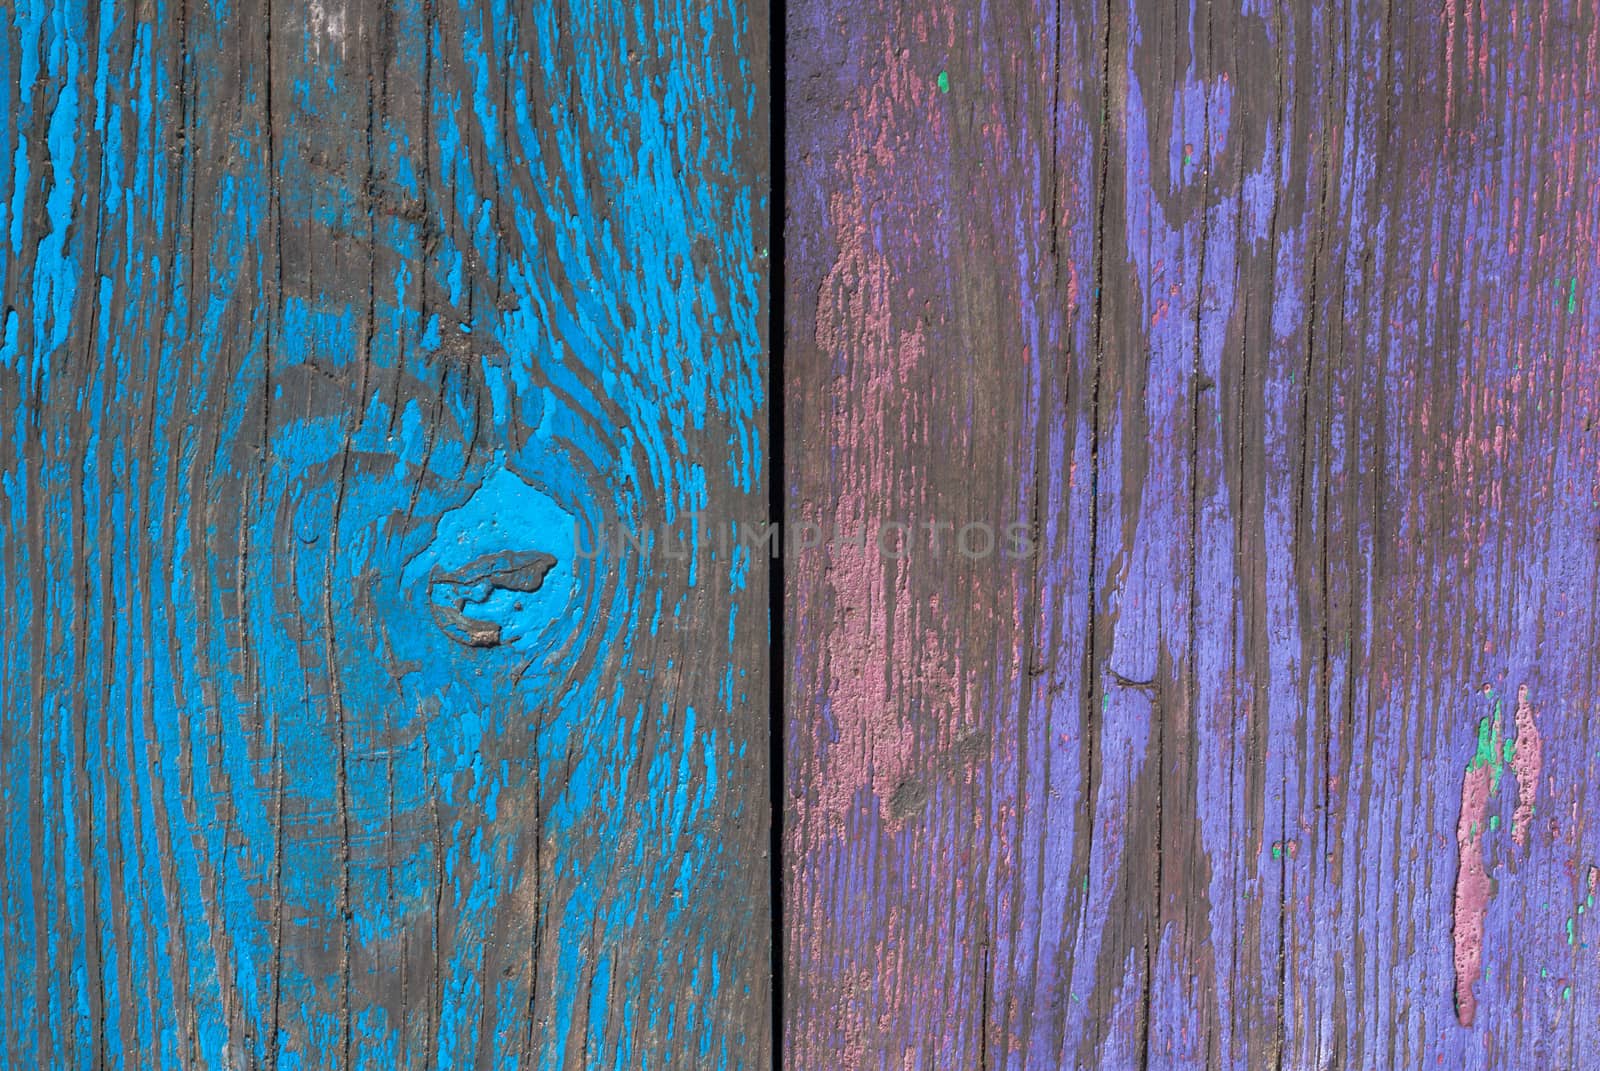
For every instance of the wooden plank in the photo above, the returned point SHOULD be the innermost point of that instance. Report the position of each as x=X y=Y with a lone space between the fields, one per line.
x=1274 y=324
x=325 y=325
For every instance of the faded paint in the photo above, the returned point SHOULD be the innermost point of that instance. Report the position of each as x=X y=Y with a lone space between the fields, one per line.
x=1268 y=318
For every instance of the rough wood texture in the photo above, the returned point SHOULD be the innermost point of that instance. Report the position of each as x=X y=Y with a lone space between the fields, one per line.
x=1275 y=322
x=325 y=324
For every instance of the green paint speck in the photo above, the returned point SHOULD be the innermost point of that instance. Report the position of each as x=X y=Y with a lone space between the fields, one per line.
x=1491 y=748
x=1494 y=822
x=1572 y=295
x=1566 y=992
x=944 y=85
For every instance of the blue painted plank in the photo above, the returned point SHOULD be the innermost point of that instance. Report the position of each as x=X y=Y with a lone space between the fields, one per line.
x=326 y=327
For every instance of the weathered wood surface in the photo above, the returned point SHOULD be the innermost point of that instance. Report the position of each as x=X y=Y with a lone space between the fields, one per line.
x=1276 y=323
x=324 y=323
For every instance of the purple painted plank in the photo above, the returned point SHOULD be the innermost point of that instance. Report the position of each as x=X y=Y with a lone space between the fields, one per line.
x=1272 y=323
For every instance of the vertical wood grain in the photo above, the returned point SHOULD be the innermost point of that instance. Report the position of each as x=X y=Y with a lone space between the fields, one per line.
x=326 y=324
x=1274 y=323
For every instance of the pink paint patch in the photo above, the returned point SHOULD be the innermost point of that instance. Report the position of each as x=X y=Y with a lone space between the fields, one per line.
x=1472 y=890
x=1527 y=764
x=880 y=657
